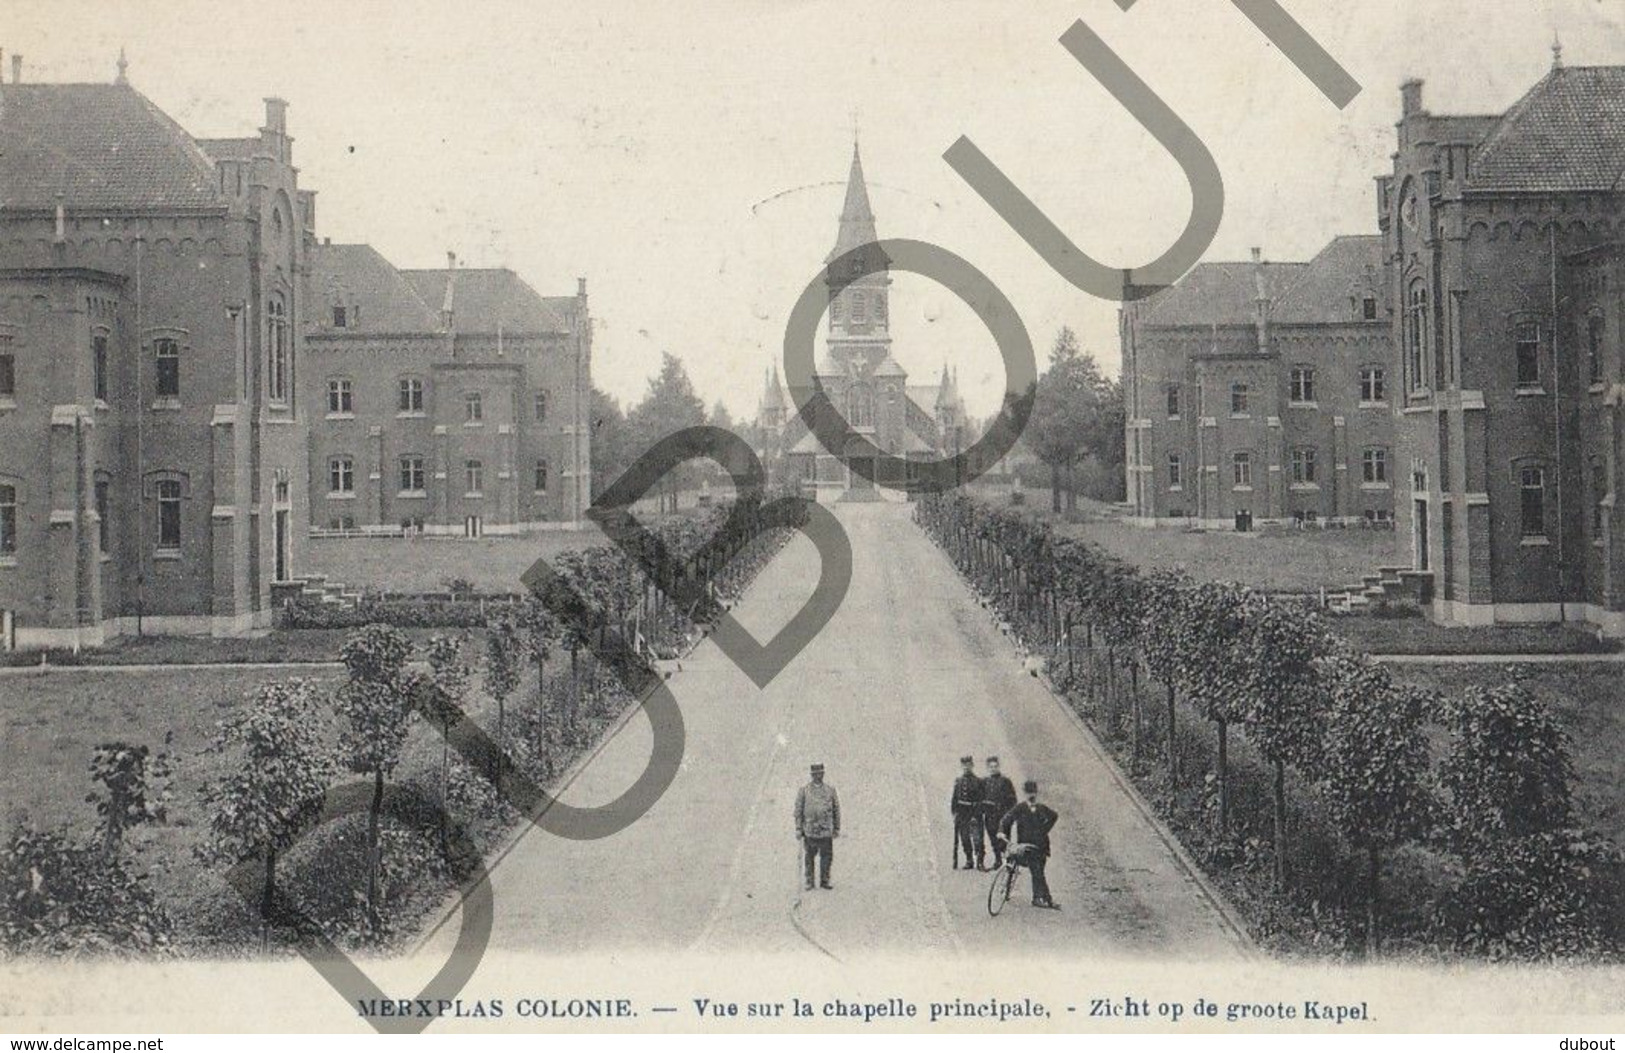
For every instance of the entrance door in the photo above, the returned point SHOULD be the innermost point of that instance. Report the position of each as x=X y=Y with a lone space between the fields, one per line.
x=1420 y=517
x=282 y=544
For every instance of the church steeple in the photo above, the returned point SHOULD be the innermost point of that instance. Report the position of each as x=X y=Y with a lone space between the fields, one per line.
x=857 y=217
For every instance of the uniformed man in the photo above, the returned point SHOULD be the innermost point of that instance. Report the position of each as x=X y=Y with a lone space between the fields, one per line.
x=966 y=805
x=998 y=797
x=1031 y=823
x=818 y=824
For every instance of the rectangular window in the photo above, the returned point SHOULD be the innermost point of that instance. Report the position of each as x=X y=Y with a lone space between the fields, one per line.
x=104 y=516
x=1303 y=465
x=1241 y=469
x=1372 y=384
x=1238 y=398
x=341 y=476
x=473 y=408
x=412 y=525
x=1374 y=465
x=98 y=365
x=1594 y=331
x=475 y=472
x=168 y=354
x=412 y=474
x=1368 y=309
x=8 y=520
x=169 y=515
x=8 y=372
x=341 y=523
x=1174 y=470
x=1599 y=493
x=1173 y=400
x=541 y=405
x=277 y=364
x=1526 y=344
x=411 y=395
x=1303 y=384
x=1532 y=500
x=340 y=396
x=341 y=317
x=541 y=477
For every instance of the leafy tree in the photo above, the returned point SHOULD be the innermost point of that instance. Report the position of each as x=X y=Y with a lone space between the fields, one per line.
x=669 y=407
x=610 y=443
x=504 y=655
x=1214 y=618
x=448 y=681
x=720 y=417
x=133 y=792
x=1068 y=422
x=1508 y=769
x=538 y=630
x=1279 y=699
x=278 y=769
x=376 y=703
x=1374 y=768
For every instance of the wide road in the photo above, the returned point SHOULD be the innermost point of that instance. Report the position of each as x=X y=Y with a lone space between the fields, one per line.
x=910 y=675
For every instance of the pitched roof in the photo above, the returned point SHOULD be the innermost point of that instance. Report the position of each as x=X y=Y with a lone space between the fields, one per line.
x=230 y=149
x=101 y=146
x=1349 y=266
x=358 y=276
x=485 y=299
x=1216 y=294
x=1566 y=134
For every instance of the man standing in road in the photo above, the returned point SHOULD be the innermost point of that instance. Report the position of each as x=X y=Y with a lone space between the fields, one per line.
x=1031 y=823
x=966 y=806
x=998 y=797
x=818 y=824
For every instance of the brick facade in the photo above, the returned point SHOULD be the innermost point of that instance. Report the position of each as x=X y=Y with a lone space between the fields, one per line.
x=1499 y=238
x=455 y=397
x=151 y=298
x=1254 y=394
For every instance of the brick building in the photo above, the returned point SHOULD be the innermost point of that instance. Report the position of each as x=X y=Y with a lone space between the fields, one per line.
x=1258 y=392
x=1502 y=236
x=443 y=401
x=151 y=305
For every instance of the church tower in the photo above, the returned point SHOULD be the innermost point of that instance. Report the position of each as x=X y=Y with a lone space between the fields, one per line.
x=859 y=314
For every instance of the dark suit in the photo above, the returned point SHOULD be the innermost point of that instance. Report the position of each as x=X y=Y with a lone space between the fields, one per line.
x=1030 y=824
x=998 y=797
x=966 y=805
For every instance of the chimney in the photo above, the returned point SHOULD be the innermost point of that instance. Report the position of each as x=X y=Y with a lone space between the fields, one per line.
x=16 y=68
x=449 y=304
x=581 y=288
x=61 y=220
x=1261 y=303
x=1410 y=98
x=276 y=115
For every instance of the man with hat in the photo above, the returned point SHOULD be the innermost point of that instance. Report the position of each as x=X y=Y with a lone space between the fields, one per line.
x=998 y=797
x=1031 y=823
x=966 y=806
x=818 y=824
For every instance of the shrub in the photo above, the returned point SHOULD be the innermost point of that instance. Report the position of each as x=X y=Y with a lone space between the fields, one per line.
x=1542 y=896
x=65 y=898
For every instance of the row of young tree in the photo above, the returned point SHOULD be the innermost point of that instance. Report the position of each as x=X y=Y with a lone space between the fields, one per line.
x=286 y=750
x=1483 y=778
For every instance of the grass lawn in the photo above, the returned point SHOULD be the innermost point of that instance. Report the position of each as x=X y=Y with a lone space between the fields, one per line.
x=1419 y=636
x=395 y=564
x=1588 y=698
x=1274 y=559
x=52 y=722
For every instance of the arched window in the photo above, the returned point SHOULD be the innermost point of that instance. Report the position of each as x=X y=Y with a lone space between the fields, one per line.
x=1416 y=335
x=277 y=365
x=541 y=406
x=863 y=406
x=1239 y=393
x=474 y=472
x=169 y=514
x=167 y=352
x=1532 y=499
x=1526 y=352
x=473 y=408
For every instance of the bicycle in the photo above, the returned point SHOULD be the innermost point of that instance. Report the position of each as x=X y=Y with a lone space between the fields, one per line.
x=1004 y=878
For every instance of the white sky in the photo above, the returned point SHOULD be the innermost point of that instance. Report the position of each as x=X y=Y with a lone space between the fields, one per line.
x=688 y=157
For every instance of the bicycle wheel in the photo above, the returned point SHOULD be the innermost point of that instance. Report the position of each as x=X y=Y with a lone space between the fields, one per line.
x=998 y=893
